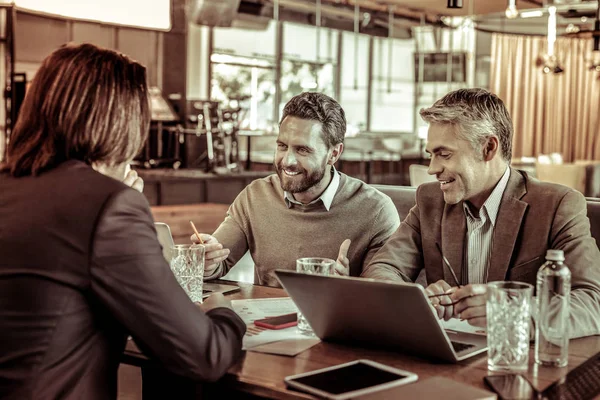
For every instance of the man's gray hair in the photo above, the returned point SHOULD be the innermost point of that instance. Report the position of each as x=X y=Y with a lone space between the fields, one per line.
x=477 y=115
x=322 y=108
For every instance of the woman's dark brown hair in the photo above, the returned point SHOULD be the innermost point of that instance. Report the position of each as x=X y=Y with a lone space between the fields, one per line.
x=85 y=103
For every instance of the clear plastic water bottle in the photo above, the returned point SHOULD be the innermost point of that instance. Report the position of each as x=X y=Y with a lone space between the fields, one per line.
x=551 y=331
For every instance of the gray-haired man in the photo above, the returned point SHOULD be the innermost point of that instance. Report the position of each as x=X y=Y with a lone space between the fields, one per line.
x=489 y=221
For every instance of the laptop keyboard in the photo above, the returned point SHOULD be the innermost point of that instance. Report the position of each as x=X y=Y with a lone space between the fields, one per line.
x=459 y=346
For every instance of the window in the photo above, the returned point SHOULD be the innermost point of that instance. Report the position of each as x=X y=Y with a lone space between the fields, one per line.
x=435 y=66
x=250 y=43
x=303 y=68
x=246 y=83
x=156 y=15
x=392 y=95
x=353 y=91
x=243 y=73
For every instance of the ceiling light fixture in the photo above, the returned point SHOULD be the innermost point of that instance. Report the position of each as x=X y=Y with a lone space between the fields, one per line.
x=548 y=61
x=531 y=14
x=593 y=34
x=596 y=34
x=596 y=37
x=571 y=28
x=455 y=3
x=511 y=10
x=551 y=29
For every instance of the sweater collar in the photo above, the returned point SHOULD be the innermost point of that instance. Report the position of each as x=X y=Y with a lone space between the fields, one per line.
x=326 y=197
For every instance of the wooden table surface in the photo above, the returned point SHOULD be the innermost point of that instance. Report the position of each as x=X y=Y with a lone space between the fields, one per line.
x=262 y=374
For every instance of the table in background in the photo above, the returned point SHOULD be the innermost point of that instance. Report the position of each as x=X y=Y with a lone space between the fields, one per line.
x=262 y=374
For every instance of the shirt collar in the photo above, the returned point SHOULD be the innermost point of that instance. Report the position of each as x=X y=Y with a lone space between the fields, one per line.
x=326 y=197
x=492 y=205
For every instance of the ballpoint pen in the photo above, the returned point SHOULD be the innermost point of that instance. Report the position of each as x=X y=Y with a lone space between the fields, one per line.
x=196 y=232
x=447 y=264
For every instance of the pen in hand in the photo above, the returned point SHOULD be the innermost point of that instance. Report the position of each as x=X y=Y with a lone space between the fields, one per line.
x=447 y=264
x=196 y=232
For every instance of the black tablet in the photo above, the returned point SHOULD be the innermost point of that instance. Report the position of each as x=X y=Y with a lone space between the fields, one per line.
x=350 y=380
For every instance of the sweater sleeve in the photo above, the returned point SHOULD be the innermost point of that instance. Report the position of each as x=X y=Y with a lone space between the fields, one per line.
x=232 y=234
x=400 y=258
x=130 y=277
x=383 y=226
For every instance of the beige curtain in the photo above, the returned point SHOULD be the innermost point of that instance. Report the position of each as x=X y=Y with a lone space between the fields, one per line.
x=551 y=112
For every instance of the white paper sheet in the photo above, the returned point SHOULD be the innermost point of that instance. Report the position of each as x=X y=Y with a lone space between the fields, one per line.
x=457 y=325
x=252 y=309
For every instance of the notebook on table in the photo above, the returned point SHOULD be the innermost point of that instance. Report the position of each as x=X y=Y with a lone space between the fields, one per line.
x=166 y=241
x=376 y=313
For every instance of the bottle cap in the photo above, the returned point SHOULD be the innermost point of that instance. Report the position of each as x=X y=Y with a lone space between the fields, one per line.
x=555 y=255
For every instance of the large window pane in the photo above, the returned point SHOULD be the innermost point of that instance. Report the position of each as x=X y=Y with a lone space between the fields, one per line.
x=353 y=91
x=298 y=77
x=392 y=97
x=302 y=43
x=309 y=56
x=245 y=83
x=157 y=15
x=246 y=42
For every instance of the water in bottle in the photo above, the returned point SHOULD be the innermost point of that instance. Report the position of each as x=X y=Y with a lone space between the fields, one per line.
x=553 y=289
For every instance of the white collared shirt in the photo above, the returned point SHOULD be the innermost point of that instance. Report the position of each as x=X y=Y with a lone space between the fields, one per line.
x=480 y=232
x=326 y=197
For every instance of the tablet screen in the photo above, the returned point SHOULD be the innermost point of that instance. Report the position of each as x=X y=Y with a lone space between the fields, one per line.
x=350 y=378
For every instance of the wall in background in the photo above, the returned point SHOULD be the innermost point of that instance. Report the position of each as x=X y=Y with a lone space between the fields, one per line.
x=37 y=36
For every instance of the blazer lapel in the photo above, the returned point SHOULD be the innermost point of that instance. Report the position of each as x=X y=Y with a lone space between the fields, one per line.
x=454 y=226
x=508 y=224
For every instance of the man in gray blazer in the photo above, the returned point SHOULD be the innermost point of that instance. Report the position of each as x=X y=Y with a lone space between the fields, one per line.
x=486 y=221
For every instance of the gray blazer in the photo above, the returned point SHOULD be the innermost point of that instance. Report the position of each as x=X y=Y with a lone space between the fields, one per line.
x=534 y=216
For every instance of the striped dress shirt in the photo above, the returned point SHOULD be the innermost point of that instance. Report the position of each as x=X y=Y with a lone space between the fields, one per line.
x=480 y=233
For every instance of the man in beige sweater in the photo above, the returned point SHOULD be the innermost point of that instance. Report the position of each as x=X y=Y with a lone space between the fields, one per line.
x=484 y=221
x=307 y=209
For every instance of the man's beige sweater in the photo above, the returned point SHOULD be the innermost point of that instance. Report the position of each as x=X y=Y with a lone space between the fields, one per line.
x=260 y=221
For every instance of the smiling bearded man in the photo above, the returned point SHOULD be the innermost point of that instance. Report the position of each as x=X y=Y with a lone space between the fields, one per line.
x=490 y=221
x=306 y=209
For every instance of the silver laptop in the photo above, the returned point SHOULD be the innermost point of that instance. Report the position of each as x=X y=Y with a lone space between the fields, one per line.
x=166 y=241
x=377 y=313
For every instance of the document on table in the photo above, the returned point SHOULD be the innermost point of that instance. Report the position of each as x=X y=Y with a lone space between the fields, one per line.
x=252 y=309
x=288 y=341
x=458 y=325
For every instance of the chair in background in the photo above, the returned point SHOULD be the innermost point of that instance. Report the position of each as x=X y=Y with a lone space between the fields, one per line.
x=526 y=164
x=570 y=175
x=581 y=176
x=418 y=175
x=359 y=149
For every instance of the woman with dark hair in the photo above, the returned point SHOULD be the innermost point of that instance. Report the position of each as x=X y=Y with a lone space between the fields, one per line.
x=80 y=265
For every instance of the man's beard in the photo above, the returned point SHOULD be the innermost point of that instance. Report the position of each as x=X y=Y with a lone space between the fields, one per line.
x=300 y=185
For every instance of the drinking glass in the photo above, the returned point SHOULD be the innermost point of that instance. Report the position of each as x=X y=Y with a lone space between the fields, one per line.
x=316 y=266
x=187 y=264
x=508 y=320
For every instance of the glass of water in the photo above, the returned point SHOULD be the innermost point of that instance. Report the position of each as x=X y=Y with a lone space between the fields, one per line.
x=317 y=266
x=508 y=320
x=187 y=264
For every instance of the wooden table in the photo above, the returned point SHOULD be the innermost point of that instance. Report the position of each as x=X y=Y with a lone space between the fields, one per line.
x=262 y=374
